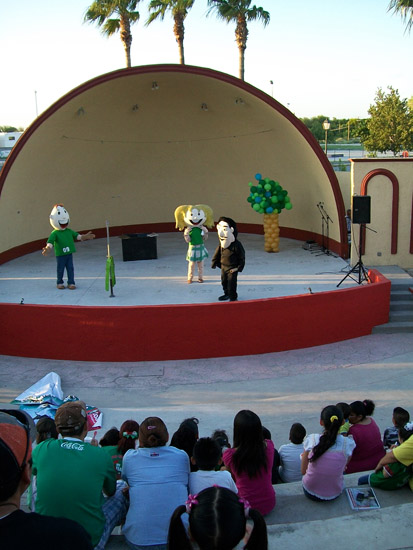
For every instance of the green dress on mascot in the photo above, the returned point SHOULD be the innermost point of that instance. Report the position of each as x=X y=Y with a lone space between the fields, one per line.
x=62 y=239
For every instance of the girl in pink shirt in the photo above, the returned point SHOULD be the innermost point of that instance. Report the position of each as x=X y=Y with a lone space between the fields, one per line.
x=250 y=462
x=325 y=457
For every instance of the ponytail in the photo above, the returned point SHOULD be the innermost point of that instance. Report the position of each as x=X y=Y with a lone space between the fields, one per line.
x=177 y=536
x=332 y=418
x=258 y=538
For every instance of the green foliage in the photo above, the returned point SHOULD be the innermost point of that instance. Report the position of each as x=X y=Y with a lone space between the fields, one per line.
x=390 y=127
x=267 y=196
x=405 y=9
x=10 y=129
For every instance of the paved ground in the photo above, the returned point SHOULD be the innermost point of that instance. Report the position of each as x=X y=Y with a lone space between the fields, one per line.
x=282 y=388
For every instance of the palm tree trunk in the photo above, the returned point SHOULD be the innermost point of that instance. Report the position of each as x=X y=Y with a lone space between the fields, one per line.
x=179 y=32
x=241 y=35
x=241 y=63
x=271 y=233
x=126 y=37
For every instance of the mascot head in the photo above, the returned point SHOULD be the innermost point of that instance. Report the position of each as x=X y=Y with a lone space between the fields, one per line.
x=188 y=215
x=59 y=217
x=227 y=231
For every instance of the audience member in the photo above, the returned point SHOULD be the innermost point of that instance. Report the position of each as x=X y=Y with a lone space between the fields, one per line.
x=20 y=530
x=403 y=453
x=186 y=436
x=393 y=475
x=369 y=446
x=391 y=435
x=290 y=455
x=325 y=457
x=158 y=478
x=46 y=429
x=275 y=478
x=250 y=462
x=207 y=457
x=72 y=474
x=345 y=409
x=217 y=521
x=127 y=438
x=110 y=438
x=222 y=438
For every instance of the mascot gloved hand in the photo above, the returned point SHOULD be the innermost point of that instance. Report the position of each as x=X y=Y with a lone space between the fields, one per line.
x=230 y=257
x=62 y=239
x=195 y=219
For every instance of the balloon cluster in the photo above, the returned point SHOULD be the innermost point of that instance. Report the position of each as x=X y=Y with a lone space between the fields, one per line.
x=267 y=196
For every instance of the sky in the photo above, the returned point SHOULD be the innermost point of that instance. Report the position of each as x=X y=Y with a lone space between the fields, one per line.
x=323 y=57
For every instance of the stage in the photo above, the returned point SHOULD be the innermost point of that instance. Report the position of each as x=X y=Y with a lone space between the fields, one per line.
x=287 y=300
x=163 y=281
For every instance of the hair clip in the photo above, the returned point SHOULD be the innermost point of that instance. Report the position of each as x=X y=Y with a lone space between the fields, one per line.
x=332 y=418
x=192 y=500
x=151 y=427
x=408 y=426
x=130 y=435
x=246 y=506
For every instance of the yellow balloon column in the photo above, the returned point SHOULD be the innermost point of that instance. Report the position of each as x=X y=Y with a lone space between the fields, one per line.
x=269 y=198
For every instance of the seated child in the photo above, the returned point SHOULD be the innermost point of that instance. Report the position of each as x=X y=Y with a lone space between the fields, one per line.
x=391 y=435
x=394 y=475
x=290 y=455
x=275 y=478
x=345 y=409
x=207 y=456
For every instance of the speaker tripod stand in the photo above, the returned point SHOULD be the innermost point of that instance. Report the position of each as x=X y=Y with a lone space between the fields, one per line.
x=358 y=268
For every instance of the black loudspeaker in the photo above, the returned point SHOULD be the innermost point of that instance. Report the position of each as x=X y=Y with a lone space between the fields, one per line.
x=361 y=209
x=138 y=246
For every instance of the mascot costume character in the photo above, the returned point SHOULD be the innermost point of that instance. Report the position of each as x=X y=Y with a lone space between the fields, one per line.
x=192 y=218
x=230 y=257
x=62 y=240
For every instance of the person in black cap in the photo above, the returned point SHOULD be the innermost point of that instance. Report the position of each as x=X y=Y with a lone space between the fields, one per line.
x=230 y=257
x=20 y=530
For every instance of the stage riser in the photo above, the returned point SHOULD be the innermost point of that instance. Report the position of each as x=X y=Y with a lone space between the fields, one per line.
x=160 y=333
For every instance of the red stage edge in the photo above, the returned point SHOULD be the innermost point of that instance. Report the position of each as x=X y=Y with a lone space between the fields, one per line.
x=157 y=333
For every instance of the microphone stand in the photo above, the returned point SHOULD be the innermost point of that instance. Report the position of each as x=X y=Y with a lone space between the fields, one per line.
x=325 y=219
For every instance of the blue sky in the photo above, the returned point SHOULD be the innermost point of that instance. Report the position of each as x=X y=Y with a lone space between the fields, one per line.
x=325 y=57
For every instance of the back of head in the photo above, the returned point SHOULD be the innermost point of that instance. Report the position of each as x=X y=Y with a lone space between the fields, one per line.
x=250 y=454
x=15 y=450
x=207 y=453
x=345 y=409
x=217 y=521
x=71 y=418
x=297 y=433
x=186 y=435
x=406 y=431
x=332 y=419
x=222 y=438
x=266 y=433
x=400 y=417
x=358 y=408
x=128 y=435
x=153 y=433
x=110 y=438
x=46 y=429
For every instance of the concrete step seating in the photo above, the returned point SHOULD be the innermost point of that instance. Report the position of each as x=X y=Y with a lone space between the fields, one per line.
x=401 y=301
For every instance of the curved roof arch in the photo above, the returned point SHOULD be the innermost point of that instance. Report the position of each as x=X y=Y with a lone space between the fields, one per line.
x=131 y=145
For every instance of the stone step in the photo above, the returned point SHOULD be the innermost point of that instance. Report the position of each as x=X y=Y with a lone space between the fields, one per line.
x=393 y=327
x=401 y=305
x=402 y=285
x=401 y=315
x=401 y=295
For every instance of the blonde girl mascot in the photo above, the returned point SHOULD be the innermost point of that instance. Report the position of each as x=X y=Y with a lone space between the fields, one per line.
x=194 y=220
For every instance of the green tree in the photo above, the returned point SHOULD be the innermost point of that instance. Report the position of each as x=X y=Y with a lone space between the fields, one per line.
x=179 y=10
x=390 y=125
x=240 y=12
x=113 y=16
x=405 y=9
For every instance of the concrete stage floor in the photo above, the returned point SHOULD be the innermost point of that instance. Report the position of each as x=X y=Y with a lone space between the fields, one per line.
x=292 y=271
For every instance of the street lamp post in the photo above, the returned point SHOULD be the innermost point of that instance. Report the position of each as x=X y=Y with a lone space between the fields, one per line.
x=326 y=126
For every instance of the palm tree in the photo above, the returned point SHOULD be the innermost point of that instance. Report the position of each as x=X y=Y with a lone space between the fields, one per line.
x=113 y=16
x=405 y=9
x=179 y=10
x=239 y=11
